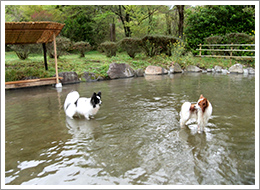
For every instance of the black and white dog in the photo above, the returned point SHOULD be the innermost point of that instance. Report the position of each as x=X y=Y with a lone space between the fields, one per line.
x=74 y=105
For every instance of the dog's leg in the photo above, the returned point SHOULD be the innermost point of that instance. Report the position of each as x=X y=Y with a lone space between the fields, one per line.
x=201 y=125
x=200 y=121
x=184 y=118
x=71 y=111
x=182 y=123
x=87 y=116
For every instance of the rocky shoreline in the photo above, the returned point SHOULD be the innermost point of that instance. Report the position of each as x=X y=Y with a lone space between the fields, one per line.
x=123 y=70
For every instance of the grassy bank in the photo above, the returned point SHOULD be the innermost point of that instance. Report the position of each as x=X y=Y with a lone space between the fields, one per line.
x=16 y=69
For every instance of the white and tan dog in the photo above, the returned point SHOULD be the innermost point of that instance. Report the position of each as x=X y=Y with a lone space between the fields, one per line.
x=201 y=111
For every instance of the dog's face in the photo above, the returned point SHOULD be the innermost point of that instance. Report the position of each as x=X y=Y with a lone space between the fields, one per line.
x=202 y=103
x=96 y=99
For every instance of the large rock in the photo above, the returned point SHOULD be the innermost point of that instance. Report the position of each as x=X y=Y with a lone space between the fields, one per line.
x=139 y=73
x=90 y=77
x=176 y=68
x=251 y=71
x=225 y=71
x=69 y=77
x=210 y=70
x=218 y=69
x=120 y=70
x=155 y=70
x=237 y=68
x=192 y=68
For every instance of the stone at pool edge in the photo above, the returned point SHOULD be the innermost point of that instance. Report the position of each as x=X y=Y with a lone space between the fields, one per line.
x=155 y=70
x=176 y=68
x=192 y=68
x=91 y=77
x=69 y=77
x=120 y=70
x=237 y=68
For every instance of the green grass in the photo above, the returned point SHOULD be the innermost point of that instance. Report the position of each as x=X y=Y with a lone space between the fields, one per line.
x=16 y=69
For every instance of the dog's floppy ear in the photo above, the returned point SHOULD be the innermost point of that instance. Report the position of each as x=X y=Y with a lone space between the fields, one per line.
x=94 y=95
x=99 y=94
x=93 y=99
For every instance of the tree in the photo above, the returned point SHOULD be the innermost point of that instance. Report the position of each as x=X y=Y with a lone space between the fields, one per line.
x=79 y=28
x=181 y=19
x=123 y=12
x=205 y=21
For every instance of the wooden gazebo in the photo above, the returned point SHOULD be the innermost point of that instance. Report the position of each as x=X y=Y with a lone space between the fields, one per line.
x=31 y=33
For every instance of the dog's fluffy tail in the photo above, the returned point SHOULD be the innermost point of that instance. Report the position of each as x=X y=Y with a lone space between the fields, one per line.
x=185 y=113
x=71 y=98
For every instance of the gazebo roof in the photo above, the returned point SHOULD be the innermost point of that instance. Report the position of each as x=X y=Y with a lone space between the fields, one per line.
x=31 y=32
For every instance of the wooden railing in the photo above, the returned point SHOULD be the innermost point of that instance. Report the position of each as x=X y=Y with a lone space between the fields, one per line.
x=231 y=50
x=31 y=82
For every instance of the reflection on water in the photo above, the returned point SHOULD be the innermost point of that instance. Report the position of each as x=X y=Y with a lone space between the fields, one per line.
x=135 y=138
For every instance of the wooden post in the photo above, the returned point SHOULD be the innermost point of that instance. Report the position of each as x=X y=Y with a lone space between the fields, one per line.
x=55 y=56
x=45 y=56
x=200 y=51
x=231 y=53
x=231 y=50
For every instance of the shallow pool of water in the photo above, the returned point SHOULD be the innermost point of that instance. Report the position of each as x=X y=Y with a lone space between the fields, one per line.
x=135 y=138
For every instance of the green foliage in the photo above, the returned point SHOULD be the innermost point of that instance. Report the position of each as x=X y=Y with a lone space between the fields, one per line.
x=24 y=50
x=109 y=48
x=16 y=69
x=91 y=22
x=231 y=38
x=204 y=21
x=79 y=28
x=214 y=39
x=62 y=46
x=82 y=47
x=156 y=44
x=130 y=45
x=19 y=13
x=42 y=16
x=178 y=51
x=238 y=38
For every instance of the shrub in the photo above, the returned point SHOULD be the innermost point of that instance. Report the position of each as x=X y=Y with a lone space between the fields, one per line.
x=131 y=45
x=62 y=46
x=23 y=50
x=235 y=38
x=178 y=50
x=239 y=38
x=154 y=45
x=217 y=20
x=109 y=48
x=214 y=40
x=82 y=47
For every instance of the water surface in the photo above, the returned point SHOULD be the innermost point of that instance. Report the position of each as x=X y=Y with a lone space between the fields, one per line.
x=135 y=138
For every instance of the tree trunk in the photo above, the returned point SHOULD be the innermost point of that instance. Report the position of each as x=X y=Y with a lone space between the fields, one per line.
x=127 y=19
x=112 y=32
x=181 y=19
x=128 y=30
x=168 y=24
